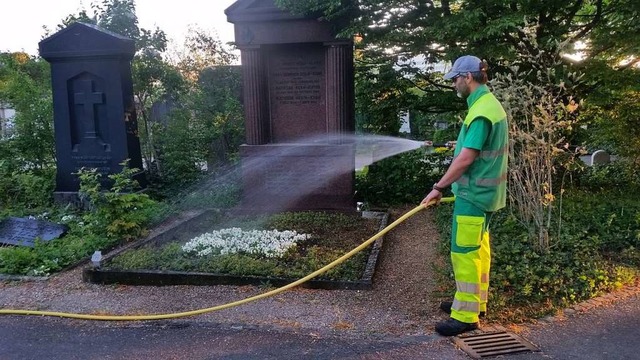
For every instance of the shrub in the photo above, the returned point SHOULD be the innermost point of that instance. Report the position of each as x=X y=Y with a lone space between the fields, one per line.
x=22 y=187
x=119 y=213
x=404 y=178
x=611 y=226
x=26 y=189
x=593 y=252
x=115 y=215
x=46 y=258
x=620 y=174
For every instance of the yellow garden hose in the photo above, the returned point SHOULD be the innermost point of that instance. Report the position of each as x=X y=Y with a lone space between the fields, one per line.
x=231 y=304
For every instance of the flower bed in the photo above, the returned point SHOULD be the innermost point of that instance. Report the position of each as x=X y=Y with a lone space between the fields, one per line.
x=216 y=249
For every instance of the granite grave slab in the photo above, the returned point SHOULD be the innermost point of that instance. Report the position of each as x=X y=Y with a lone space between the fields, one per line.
x=24 y=232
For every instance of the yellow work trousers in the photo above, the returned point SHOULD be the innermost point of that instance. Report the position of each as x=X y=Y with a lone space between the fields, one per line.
x=471 y=259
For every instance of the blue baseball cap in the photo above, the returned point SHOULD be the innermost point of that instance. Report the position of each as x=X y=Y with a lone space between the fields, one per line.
x=463 y=65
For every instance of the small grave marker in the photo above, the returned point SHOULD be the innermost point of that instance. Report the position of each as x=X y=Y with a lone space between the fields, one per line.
x=600 y=157
x=24 y=232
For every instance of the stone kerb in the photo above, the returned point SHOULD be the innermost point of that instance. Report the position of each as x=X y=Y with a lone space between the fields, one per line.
x=192 y=225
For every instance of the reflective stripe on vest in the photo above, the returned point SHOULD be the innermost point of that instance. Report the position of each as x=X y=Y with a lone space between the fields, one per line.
x=492 y=182
x=464 y=180
x=494 y=153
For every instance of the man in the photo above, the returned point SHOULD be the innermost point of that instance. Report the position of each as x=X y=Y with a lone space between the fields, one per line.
x=478 y=176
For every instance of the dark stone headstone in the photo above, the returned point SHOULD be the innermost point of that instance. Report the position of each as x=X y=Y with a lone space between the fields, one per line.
x=24 y=232
x=94 y=112
x=298 y=85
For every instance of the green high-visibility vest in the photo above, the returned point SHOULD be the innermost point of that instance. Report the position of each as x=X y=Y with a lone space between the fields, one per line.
x=484 y=184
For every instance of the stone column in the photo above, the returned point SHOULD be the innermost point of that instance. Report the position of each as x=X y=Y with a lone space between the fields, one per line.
x=340 y=90
x=256 y=98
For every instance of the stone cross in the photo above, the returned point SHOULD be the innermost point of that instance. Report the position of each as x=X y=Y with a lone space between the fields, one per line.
x=89 y=98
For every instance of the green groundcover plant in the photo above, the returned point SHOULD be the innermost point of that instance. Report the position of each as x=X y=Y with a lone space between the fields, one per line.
x=288 y=245
x=593 y=250
x=112 y=217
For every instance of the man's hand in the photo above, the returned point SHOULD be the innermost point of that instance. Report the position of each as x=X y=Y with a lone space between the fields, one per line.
x=432 y=198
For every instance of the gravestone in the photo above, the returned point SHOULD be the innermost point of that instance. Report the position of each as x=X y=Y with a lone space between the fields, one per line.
x=405 y=122
x=24 y=232
x=600 y=157
x=297 y=86
x=94 y=112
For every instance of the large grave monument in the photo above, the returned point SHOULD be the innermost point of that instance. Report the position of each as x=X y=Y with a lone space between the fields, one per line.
x=298 y=88
x=94 y=112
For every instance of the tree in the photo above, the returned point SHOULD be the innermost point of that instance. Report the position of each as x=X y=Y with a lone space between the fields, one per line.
x=27 y=157
x=613 y=63
x=503 y=32
x=214 y=95
x=25 y=84
x=528 y=44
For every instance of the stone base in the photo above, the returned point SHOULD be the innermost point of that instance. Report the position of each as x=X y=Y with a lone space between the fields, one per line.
x=72 y=198
x=279 y=177
x=69 y=198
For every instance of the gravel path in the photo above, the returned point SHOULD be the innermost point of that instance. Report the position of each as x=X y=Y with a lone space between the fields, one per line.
x=401 y=302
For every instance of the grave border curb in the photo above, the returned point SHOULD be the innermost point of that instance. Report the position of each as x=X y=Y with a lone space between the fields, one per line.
x=168 y=278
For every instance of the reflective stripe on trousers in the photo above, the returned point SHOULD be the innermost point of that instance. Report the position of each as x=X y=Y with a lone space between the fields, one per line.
x=465 y=306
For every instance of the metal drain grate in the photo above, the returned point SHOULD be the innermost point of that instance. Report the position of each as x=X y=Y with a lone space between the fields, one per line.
x=493 y=344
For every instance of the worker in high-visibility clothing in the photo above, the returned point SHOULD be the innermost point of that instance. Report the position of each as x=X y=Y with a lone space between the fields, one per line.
x=478 y=176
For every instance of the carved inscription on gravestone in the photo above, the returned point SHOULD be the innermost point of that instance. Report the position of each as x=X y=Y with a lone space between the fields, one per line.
x=297 y=92
x=297 y=82
x=312 y=175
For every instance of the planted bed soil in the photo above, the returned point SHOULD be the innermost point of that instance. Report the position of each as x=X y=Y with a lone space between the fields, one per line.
x=161 y=260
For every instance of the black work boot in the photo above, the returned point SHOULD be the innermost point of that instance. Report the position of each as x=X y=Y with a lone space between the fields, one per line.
x=446 y=307
x=453 y=327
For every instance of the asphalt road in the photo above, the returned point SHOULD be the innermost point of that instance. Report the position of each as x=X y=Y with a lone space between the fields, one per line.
x=608 y=332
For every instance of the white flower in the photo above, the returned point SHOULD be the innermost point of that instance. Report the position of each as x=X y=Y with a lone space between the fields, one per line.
x=271 y=243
